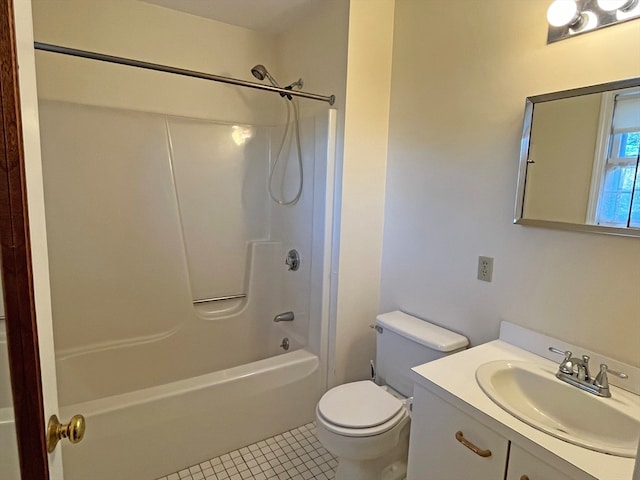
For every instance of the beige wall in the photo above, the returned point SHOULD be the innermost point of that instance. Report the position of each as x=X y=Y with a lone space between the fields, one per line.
x=315 y=48
x=563 y=144
x=346 y=45
x=141 y=31
x=461 y=72
x=363 y=180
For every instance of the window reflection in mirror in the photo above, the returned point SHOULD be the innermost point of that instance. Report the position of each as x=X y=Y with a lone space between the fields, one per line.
x=615 y=188
x=579 y=164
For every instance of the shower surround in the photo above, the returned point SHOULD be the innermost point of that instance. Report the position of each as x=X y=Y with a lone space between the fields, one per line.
x=167 y=270
x=157 y=209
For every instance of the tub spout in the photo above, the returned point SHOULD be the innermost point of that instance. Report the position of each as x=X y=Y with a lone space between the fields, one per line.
x=284 y=317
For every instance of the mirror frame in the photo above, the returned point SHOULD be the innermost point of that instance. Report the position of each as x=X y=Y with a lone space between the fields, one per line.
x=524 y=157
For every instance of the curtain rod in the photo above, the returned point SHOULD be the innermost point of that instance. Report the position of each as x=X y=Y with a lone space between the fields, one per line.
x=47 y=47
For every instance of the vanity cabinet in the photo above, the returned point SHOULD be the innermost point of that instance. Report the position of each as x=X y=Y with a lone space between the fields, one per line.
x=438 y=451
x=448 y=444
x=524 y=466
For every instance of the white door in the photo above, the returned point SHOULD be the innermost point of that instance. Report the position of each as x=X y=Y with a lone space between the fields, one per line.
x=33 y=171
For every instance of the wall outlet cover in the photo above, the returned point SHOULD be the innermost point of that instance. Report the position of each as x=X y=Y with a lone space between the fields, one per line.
x=485 y=268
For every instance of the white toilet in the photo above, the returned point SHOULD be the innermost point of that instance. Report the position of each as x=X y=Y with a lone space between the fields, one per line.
x=366 y=425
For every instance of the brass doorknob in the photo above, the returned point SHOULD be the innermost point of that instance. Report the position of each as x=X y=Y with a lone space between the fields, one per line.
x=56 y=431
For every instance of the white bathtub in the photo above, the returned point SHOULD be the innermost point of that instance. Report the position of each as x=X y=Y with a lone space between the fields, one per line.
x=151 y=432
x=9 y=469
x=163 y=384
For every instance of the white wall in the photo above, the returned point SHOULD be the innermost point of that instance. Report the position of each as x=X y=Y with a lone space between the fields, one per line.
x=461 y=72
x=344 y=48
x=315 y=49
x=363 y=184
x=150 y=33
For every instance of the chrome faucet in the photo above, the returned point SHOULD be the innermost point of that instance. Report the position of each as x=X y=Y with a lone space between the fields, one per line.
x=575 y=371
x=583 y=369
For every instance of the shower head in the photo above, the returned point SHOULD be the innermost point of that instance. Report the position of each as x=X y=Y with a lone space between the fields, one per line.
x=260 y=72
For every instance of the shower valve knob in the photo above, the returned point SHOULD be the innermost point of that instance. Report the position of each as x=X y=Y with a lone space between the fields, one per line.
x=293 y=260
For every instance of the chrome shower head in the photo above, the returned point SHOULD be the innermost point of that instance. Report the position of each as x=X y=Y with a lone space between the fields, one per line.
x=260 y=72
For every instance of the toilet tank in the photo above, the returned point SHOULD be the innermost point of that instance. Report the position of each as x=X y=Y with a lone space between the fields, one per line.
x=403 y=342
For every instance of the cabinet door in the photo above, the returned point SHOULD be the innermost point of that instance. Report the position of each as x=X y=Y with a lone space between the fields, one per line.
x=524 y=466
x=437 y=453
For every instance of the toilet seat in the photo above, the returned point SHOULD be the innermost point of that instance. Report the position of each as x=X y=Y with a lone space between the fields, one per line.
x=360 y=409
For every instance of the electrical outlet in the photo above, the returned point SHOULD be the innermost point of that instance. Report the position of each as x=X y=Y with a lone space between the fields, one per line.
x=485 y=268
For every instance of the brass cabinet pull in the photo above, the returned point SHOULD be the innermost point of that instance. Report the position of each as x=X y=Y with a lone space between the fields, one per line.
x=56 y=431
x=478 y=451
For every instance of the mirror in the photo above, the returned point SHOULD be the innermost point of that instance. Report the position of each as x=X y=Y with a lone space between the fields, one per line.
x=579 y=160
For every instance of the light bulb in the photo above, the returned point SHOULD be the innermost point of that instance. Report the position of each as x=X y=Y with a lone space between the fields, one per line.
x=613 y=5
x=589 y=21
x=563 y=12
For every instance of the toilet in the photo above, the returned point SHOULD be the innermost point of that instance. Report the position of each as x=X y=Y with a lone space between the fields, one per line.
x=365 y=425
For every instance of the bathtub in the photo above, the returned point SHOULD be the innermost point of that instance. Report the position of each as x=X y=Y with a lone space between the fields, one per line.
x=165 y=383
x=151 y=432
x=159 y=405
x=9 y=469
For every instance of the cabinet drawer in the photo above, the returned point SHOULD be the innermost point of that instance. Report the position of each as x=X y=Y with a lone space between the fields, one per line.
x=436 y=452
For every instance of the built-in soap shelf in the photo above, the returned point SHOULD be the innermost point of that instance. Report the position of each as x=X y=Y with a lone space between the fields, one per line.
x=262 y=289
x=220 y=299
x=217 y=306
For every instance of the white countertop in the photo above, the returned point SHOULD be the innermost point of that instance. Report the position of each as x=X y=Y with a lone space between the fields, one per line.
x=453 y=379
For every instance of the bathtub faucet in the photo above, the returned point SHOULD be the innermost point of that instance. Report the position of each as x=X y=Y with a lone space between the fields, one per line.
x=284 y=317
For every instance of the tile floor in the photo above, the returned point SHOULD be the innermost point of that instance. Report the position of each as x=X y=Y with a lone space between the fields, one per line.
x=293 y=455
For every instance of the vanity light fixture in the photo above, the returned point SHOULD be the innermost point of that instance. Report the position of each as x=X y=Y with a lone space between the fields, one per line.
x=613 y=5
x=564 y=13
x=568 y=18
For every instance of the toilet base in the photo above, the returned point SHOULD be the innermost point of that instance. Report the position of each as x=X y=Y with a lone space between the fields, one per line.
x=390 y=466
x=351 y=470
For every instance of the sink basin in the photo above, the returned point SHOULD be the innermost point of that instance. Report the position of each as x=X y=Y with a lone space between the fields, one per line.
x=532 y=393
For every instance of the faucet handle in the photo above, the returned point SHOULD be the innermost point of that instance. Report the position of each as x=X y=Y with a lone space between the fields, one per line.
x=613 y=372
x=567 y=364
x=558 y=351
x=602 y=379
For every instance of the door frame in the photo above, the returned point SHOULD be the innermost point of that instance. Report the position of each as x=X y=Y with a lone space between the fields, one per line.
x=17 y=275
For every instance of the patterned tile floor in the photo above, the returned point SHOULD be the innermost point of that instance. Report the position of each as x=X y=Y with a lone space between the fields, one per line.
x=293 y=455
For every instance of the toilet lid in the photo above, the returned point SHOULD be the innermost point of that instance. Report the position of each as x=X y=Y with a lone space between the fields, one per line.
x=358 y=405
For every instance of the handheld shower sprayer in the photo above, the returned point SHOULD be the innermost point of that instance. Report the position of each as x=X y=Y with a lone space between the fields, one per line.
x=260 y=72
